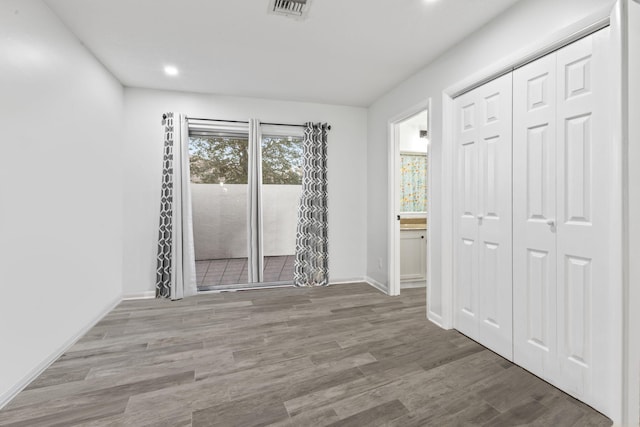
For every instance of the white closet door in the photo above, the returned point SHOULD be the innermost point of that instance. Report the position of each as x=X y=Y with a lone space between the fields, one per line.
x=585 y=173
x=564 y=316
x=466 y=211
x=534 y=216
x=483 y=271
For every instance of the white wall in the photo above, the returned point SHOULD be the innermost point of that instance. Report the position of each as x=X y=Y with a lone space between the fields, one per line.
x=522 y=25
x=633 y=175
x=60 y=190
x=143 y=157
x=409 y=134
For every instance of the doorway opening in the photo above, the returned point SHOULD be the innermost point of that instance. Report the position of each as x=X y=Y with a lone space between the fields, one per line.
x=245 y=194
x=409 y=140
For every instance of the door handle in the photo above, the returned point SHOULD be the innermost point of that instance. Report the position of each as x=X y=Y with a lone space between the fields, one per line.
x=398 y=217
x=480 y=217
x=551 y=223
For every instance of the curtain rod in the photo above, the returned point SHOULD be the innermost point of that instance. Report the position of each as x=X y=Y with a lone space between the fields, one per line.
x=216 y=120
x=240 y=121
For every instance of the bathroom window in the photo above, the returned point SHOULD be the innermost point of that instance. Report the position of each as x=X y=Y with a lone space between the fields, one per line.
x=413 y=190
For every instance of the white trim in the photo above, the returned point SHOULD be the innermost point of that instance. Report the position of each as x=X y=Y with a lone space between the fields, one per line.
x=414 y=153
x=445 y=317
x=139 y=295
x=618 y=251
x=413 y=284
x=437 y=320
x=374 y=283
x=625 y=30
x=393 y=181
x=7 y=396
x=347 y=281
x=590 y=24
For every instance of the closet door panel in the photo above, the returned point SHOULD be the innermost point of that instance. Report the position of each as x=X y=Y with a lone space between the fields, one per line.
x=495 y=216
x=585 y=172
x=534 y=216
x=466 y=211
x=482 y=271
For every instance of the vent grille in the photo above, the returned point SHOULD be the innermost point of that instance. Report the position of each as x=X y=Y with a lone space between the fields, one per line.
x=291 y=8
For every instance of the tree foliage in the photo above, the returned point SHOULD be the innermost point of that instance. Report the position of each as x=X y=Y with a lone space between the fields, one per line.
x=216 y=159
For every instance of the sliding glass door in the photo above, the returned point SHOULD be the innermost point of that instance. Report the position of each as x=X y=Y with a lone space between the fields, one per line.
x=234 y=227
x=281 y=187
x=219 y=166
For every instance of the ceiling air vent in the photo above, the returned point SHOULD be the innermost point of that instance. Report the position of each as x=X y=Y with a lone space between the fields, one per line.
x=297 y=9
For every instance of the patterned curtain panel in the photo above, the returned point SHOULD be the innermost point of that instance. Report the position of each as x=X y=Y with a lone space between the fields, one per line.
x=413 y=193
x=175 y=271
x=311 y=266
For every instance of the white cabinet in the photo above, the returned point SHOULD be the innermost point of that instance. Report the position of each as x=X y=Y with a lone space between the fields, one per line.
x=413 y=255
x=482 y=209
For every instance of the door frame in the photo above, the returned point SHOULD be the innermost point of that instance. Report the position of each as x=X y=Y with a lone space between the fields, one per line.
x=628 y=294
x=255 y=130
x=393 y=154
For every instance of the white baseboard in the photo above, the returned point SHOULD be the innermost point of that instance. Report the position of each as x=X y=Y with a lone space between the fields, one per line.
x=347 y=281
x=413 y=284
x=435 y=319
x=379 y=286
x=139 y=295
x=6 y=397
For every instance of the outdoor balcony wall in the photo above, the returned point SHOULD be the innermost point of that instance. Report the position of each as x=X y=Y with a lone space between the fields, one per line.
x=220 y=220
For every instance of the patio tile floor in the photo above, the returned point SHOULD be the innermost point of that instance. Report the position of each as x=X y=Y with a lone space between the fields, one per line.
x=232 y=271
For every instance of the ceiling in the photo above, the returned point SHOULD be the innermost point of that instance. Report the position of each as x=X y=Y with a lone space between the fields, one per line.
x=347 y=52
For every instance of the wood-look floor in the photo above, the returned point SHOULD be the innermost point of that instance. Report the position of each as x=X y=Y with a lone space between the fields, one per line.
x=341 y=356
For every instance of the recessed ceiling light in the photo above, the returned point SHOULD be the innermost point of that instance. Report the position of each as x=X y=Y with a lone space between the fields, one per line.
x=170 y=70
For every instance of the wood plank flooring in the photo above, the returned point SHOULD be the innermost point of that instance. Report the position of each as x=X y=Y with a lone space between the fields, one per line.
x=346 y=355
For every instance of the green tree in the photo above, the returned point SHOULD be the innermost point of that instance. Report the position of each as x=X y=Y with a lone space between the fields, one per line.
x=225 y=159
x=216 y=159
x=282 y=160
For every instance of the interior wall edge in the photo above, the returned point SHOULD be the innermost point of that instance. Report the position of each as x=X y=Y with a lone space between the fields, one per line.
x=379 y=286
x=630 y=29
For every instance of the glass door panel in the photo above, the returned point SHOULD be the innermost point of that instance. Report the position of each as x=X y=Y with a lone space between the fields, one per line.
x=219 y=177
x=281 y=188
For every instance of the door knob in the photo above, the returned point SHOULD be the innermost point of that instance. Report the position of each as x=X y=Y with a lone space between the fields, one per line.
x=551 y=223
x=480 y=217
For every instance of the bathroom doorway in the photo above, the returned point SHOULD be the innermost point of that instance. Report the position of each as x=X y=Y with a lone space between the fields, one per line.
x=409 y=140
